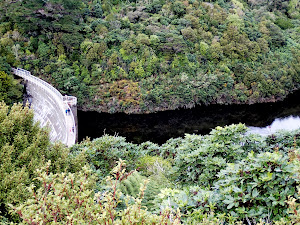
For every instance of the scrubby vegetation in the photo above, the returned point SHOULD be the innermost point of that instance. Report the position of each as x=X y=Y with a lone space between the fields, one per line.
x=24 y=148
x=145 y=56
x=10 y=89
x=225 y=177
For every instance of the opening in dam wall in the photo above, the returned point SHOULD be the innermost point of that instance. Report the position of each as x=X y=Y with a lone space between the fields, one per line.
x=51 y=108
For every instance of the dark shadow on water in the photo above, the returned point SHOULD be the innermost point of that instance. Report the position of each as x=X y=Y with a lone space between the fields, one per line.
x=161 y=126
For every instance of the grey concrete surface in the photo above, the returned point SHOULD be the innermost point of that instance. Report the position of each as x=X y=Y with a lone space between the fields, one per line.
x=50 y=108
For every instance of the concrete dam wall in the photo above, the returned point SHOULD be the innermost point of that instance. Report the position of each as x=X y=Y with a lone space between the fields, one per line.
x=51 y=109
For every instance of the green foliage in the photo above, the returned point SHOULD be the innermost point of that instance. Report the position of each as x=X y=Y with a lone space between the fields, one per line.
x=131 y=186
x=63 y=195
x=69 y=198
x=147 y=56
x=178 y=8
x=224 y=177
x=134 y=181
x=25 y=147
x=190 y=199
x=10 y=89
x=294 y=208
x=154 y=165
x=161 y=55
x=102 y=153
x=199 y=159
x=155 y=185
x=284 y=141
x=247 y=188
x=258 y=186
x=284 y=23
x=293 y=9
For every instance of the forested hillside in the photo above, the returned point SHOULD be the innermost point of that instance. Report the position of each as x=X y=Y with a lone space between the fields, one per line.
x=150 y=55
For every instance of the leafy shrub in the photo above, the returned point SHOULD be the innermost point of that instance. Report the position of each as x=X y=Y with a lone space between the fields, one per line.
x=258 y=186
x=188 y=200
x=294 y=208
x=69 y=199
x=284 y=23
x=104 y=152
x=10 y=89
x=154 y=165
x=284 y=140
x=24 y=148
x=156 y=183
x=198 y=206
x=199 y=158
x=178 y=8
x=131 y=185
x=125 y=92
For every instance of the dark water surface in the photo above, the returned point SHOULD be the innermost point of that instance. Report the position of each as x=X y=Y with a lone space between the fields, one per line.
x=161 y=126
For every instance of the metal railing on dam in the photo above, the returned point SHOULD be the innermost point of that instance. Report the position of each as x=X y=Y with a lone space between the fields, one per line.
x=51 y=108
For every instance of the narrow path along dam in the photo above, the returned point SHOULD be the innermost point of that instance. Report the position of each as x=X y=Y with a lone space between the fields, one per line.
x=51 y=108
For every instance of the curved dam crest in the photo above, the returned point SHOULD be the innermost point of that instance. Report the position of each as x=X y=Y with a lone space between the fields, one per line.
x=51 y=108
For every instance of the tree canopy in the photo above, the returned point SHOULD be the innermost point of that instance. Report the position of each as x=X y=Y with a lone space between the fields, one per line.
x=146 y=56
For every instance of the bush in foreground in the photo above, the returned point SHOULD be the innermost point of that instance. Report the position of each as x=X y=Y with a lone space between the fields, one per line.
x=70 y=199
x=24 y=148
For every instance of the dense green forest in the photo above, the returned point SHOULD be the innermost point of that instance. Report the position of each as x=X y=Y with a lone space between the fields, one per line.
x=225 y=177
x=140 y=56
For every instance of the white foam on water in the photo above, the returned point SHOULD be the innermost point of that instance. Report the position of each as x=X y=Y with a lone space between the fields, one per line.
x=289 y=123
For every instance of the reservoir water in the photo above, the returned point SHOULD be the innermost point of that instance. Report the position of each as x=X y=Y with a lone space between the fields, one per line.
x=264 y=118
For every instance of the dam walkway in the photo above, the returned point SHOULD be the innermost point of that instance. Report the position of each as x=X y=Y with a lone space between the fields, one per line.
x=51 y=108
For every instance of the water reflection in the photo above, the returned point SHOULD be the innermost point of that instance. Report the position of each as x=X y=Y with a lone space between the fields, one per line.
x=161 y=126
x=289 y=123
